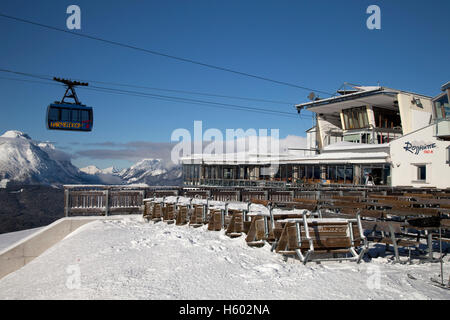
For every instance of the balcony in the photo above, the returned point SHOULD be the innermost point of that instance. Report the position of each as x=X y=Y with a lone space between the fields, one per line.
x=442 y=128
x=372 y=135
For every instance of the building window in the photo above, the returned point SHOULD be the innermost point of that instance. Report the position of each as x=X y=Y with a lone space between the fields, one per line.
x=355 y=118
x=228 y=173
x=421 y=173
x=442 y=107
x=386 y=118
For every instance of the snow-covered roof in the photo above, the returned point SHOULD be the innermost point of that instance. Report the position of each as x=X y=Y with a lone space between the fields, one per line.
x=341 y=152
x=445 y=86
x=375 y=93
x=334 y=157
x=346 y=145
x=362 y=91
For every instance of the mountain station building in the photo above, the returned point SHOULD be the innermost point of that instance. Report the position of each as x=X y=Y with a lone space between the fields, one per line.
x=362 y=136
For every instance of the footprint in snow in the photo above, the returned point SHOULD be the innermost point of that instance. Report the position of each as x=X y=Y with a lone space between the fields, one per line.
x=228 y=259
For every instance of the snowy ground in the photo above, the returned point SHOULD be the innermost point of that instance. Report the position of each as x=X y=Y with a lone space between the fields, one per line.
x=133 y=259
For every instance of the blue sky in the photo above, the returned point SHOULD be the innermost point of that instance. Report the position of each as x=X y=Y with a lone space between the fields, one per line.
x=316 y=44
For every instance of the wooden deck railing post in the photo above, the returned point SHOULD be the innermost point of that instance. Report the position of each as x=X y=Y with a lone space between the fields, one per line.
x=66 y=202
x=142 y=192
x=107 y=196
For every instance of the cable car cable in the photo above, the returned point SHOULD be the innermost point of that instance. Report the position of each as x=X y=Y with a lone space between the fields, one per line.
x=176 y=99
x=162 y=96
x=197 y=102
x=153 y=88
x=153 y=52
x=168 y=56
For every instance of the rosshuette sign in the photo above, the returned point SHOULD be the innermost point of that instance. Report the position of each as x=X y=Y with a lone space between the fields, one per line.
x=416 y=147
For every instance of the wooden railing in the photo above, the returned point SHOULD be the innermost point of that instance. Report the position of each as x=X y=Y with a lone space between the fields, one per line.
x=102 y=200
x=105 y=200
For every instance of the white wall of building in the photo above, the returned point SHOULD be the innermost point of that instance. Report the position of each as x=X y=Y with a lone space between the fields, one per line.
x=414 y=117
x=416 y=149
x=311 y=142
x=324 y=124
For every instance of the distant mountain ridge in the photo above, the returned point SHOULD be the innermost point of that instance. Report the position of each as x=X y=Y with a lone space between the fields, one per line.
x=152 y=172
x=93 y=170
x=25 y=161
x=146 y=171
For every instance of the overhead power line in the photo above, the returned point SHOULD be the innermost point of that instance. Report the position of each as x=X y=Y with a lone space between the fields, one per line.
x=193 y=92
x=157 y=96
x=196 y=101
x=172 y=57
x=153 y=52
x=48 y=77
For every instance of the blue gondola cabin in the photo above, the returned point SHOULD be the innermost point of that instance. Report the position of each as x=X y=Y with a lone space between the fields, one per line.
x=71 y=117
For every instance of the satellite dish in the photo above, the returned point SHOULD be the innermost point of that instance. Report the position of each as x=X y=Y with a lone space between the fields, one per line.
x=312 y=96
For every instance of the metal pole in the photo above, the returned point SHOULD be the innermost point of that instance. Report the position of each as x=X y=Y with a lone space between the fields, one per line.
x=440 y=256
x=430 y=245
x=266 y=227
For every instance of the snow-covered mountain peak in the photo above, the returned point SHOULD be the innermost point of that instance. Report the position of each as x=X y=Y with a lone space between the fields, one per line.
x=91 y=170
x=46 y=145
x=94 y=170
x=111 y=170
x=147 y=163
x=15 y=134
x=26 y=161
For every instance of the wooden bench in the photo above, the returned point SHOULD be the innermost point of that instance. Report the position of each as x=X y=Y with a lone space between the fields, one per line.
x=157 y=212
x=260 y=201
x=169 y=213
x=260 y=231
x=198 y=216
x=345 y=209
x=382 y=196
x=148 y=209
x=418 y=195
x=441 y=203
x=215 y=220
x=265 y=228
x=391 y=233
x=218 y=219
x=153 y=211
x=305 y=238
x=391 y=226
x=390 y=202
x=347 y=198
x=445 y=223
x=307 y=204
x=182 y=216
x=236 y=226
